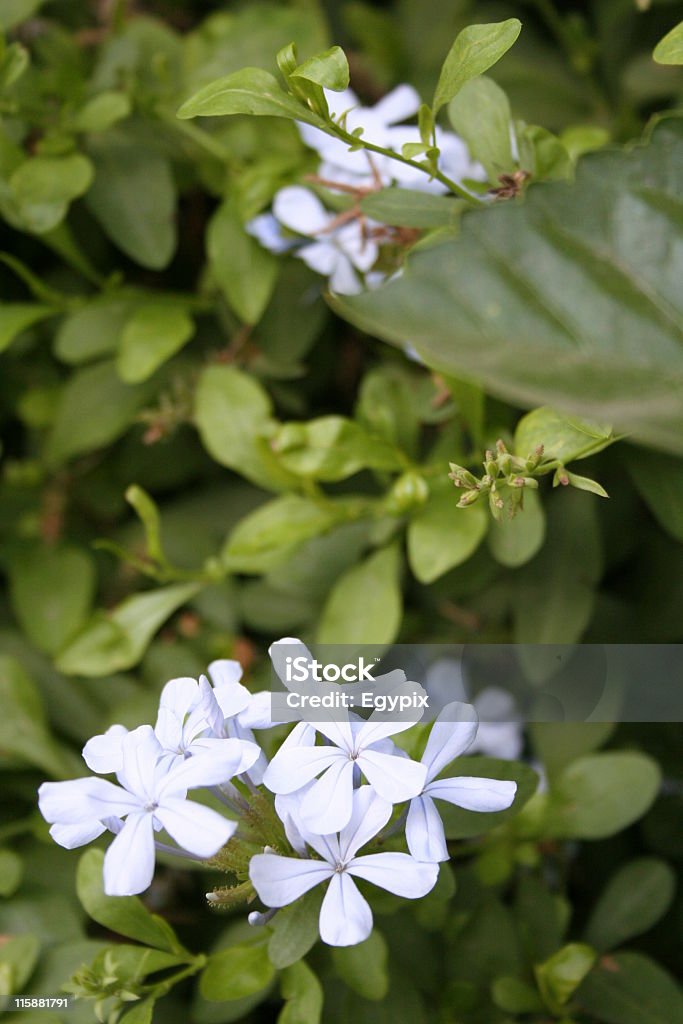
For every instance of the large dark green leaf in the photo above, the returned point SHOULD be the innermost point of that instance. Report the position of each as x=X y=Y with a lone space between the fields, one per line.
x=571 y=298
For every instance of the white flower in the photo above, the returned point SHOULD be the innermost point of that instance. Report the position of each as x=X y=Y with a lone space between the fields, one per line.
x=356 y=748
x=268 y=231
x=151 y=796
x=345 y=916
x=338 y=252
x=451 y=735
x=242 y=710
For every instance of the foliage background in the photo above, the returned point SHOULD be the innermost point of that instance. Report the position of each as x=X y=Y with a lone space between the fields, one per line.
x=150 y=344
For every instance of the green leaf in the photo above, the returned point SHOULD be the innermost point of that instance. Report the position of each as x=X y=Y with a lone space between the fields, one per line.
x=141 y=1012
x=15 y=11
x=659 y=480
x=236 y=972
x=245 y=272
x=541 y=917
x=461 y=824
x=51 y=590
x=560 y=975
x=441 y=535
x=669 y=50
x=329 y=69
x=581 y=483
x=24 y=734
x=557 y=744
x=52 y=179
x=295 y=930
x=102 y=112
x=563 y=437
x=601 y=794
x=408 y=208
x=13 y=63
x=480 y=114
x=515 y=996
x=332 y=448
x=515 y=541
x=125 y=915
x=365 y=605
x=475 y=50
x=635 y=898
x=133 y=197
x=152 y=335
x=11 y=872
x=18 y=958
x=16 y=317
x=232 y=411
x=550 y=299
x=95 y=408
x=116 y=640
x=93 y=330
x=303 y=994
x=629 y=988
x=364 y=966
x=249 y=91
x=266 y=537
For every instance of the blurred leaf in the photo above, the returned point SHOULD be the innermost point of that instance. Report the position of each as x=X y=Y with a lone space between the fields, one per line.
x=549 y=305
x=629 y=988
x=11 y=872
x=329 y=69
x=152 y=335
x=303 y=995
x=116 y=640
x=102 y=112
x=23 y=728
x=268 y=535
x=659 y=480
x=364 y=966
x=16 y=317
x=125 y=915
x=51 y=589
x=245 y=272
x=18 y=958
x=93 y=330
x=441 y=535
x=365 y=605
x=601 y=794
x=250 y=91
x=633 y=901
x=95 y=408
x=515 y=996
x=481 y=116
x=295 y=930
x=15 y=11
x=514 y=541
x=236 y=972
x=13 y=63
x=133 y=197
x=560 y=975
x=669 y=50
x=557 y=744
x=541 y=917
x=332 y=448
x=475 y=50
x=49 y=179
x=408 y=208
x=562 y=437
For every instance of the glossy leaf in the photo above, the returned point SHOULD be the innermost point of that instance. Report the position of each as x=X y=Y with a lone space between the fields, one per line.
x=635 y=898
x=236 y=972
x=250 y=91
x=442 y=536
x=475 y=50
x=152 y=335
x=365 y=605
x=329 y=69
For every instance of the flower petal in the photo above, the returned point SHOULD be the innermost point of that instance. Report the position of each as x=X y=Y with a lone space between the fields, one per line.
x=300 y=210
x=424 y=831
x=398 y=105
x=370 y=815
x=293 y=767
x=396 y=872
x=195 y=828
x=394 y=778
x=71 y=836
x=80 y=801
x=451 y=735
x=208 y=769
x=129 y=861
x=281 y=880
x=104 y=753
x=259 y=712
x=474 y=794
x=141 y=752
x=328 y=804
x=345 y=915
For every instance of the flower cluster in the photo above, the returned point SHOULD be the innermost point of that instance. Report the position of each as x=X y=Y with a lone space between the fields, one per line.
x=345 y=246
x=330 y=789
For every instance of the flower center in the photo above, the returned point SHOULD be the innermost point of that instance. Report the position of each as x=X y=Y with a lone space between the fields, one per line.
x=151 y=807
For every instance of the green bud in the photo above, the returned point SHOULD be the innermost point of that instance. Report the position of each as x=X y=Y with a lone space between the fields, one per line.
x=469 y=498
x=408 y=492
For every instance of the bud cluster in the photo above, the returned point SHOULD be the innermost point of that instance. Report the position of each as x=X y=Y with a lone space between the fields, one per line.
x=504 y=480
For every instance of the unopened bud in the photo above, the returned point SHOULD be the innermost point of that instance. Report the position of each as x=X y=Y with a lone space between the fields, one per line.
x=561 y=477
x=409 y=491
x=469 y=498
x=500 y=447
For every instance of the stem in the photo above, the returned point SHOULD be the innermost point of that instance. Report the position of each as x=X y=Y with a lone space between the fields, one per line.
x=354 y=140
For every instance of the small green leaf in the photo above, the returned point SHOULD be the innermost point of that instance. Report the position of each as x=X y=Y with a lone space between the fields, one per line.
x=11 y=872
x=303 y=994
x=245 y=272
x=102 y=112
x=236 y=972
x=565 y=438
x=364 y=966
x=249 y=91
x=16 y=317
x=560 y=975
x=329 y=69
x=13 y=64
x=629 y=988
x=669 y=50
x=513 y=542
x=332 y=448
x=51 y=179
x=475 y=50
x=266 y=537
x=51 y=590
x=441 y=535
x=152 y=335
x=125 y=915
x=408 y=208
x=635 y=898
x=116 y=640
x=480 y=114
x=581 y=483
x=365 y=605
x=24 y=734
x=93 y=330
x=601 y=794
x=515 y=996
x=295 y=930
x=18 y=958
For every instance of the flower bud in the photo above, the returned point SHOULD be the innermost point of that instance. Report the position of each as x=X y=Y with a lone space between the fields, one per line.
x=469 y=498
x=409 y=491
